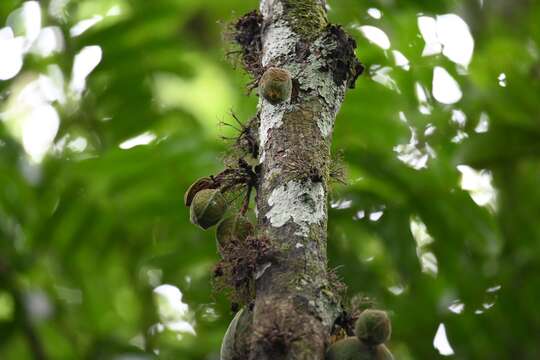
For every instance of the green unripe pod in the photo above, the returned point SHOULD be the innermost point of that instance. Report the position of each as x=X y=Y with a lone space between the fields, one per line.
x=347 y=349
x=383 y=353
x=207 y=208
x=236 y=342
x=373 y=327
x=353 y=349
x=275 y=85
x=200 y=184
x=233 y=229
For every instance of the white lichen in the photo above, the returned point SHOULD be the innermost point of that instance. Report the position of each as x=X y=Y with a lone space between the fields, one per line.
x=264 y=7
x=271 y=117
x=278 y=41
x=267 y=6
x=322 y=85
x=326 y=124
x=303 y=203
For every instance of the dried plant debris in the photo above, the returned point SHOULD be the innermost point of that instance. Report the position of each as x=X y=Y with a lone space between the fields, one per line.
x=246 y=141
x=343 y=327
x=246 y=32
x=341 y=59
x=240 y=175
x=337 y=286
x=236 y=272
x=301 y=170
x=338 y=172
x=345 y=323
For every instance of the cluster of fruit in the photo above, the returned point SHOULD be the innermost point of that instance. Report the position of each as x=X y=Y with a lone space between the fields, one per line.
x=208 y=207
x=372 y=330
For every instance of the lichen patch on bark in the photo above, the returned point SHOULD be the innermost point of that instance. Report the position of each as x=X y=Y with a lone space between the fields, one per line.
x=271 y=117
x=302 y=203
x=282 y=39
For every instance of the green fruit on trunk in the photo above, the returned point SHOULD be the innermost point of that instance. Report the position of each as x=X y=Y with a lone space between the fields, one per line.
x=275 y=85
x=353 y=349
x=200 y=184
x=383 y=353
x=236 y=342
x=207 y=208
x=373 y=327
x=233 y=229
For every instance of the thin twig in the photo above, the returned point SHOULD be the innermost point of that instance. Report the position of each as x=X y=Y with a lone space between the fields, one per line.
x=245 y=206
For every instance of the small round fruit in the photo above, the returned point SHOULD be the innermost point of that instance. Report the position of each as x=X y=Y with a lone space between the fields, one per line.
x=373 y=327
x=350 y=349
x=233 y=229
x=200 y=184
x=207 y=208
x=275 y=85
x=383 y=353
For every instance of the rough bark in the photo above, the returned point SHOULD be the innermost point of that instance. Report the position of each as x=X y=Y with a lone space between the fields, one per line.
x=295 y=306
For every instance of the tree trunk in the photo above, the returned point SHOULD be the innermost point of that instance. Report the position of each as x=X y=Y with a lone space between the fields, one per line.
x=295 y=305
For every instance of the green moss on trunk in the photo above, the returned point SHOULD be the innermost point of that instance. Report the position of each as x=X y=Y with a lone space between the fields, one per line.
x=306 y=17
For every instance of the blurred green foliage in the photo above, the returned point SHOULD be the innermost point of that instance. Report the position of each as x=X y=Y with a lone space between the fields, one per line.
x=86 y=234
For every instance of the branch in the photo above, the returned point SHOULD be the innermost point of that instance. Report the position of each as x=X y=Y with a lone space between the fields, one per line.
x=296 y=305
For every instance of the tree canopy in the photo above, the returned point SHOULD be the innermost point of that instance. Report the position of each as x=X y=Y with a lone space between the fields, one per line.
x=110 y=109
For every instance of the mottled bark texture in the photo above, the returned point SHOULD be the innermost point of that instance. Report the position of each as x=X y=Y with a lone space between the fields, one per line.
x=295 y=306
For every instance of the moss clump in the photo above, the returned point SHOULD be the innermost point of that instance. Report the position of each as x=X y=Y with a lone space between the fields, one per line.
x=353 y=349
x=207 y=208
x=233 y=229
x=373 y=327
x=306 y=17
x=275 y=85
